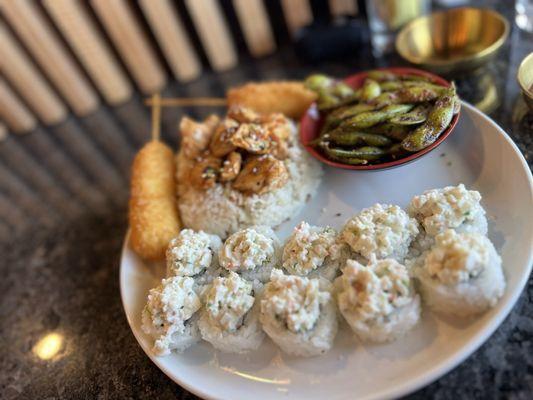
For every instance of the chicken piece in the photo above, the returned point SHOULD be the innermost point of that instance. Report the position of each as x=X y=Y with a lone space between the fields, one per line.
x=231 y=167
x=253 y=138
x=279 y=148
x=196 y=135
x=205 y=171
x=261 y=174
x=221 y=144
x=289 y=98
x=278 y=125
x=243 y=114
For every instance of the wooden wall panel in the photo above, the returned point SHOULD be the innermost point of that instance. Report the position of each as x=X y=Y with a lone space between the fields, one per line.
x=80 y=32
x=13 y=111
x=18 y=69
x=172 y=38
x=255 y=26
x=297 y=14
x=51 y=54
x=132 y=43
x=214 y=34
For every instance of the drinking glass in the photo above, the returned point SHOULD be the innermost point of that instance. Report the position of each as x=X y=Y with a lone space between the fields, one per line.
x=387 y=17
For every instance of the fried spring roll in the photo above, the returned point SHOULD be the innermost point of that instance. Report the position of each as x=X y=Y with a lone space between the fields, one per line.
x=153 y=215
x=289 y=98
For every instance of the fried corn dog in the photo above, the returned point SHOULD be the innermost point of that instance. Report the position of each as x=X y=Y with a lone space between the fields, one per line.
x=288 y=98
x=153 y=215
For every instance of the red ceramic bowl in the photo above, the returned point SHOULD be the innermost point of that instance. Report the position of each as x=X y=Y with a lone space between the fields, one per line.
x=312 y=121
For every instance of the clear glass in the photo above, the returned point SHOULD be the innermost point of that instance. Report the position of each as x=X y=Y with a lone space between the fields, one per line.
x=387 y=17
x=524 y=14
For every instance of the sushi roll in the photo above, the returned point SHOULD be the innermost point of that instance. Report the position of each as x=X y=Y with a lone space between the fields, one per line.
x=452 y=207
x=170 y=315
x=230 y=317
x=299 y=314
x=194 y=254
x=251 y=252
x=313 y=251
x=462 y=274
x=381 y=231
x=378 y=301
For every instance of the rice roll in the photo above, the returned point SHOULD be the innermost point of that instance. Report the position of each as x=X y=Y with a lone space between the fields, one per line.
x=462 y=274
x=313 y=251
x=381 y=231
x=251 y=252
x=451 y=207
x=230 y=317
x=377 y=301
x=194 y=254
x=170 y=315
x=299 y=314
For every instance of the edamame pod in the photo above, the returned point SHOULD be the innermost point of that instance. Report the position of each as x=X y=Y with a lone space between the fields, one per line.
x=438 y=119
x=355 y=138
x=370 y=90
x=318 y=82
x=382 y=76
x=371 y=118
x=418 y=115
x=393 y=131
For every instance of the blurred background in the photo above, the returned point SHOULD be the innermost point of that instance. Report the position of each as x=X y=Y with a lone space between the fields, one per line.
x=74 y=77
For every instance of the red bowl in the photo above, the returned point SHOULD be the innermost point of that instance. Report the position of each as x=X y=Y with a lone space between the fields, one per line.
x=312 y=121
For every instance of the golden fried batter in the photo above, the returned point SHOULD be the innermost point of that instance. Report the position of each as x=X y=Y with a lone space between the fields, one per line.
x=153 y=215
x=288 y=98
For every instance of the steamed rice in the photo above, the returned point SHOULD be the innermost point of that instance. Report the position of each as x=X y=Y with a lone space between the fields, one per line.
x=221 y=210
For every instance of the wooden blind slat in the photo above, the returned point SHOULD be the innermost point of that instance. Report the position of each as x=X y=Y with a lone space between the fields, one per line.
x=172 y=38
x=213 y=31
x=131 y=43
x=50 y=54
x=3 y=132
x=297 y=14
x=13 y=111
x=93 y=52
x=18 y=69
x=343 y=7
x=256 y=26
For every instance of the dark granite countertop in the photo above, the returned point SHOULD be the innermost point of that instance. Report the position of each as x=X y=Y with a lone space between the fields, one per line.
x=63 y=197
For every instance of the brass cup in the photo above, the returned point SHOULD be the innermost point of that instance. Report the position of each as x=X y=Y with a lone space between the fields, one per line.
x=458 y=39
x=525 y=79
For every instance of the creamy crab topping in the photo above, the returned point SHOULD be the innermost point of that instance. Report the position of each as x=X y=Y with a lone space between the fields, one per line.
x=246 y=250
x=449 y=207
x=228 y=300
x=371 y=293
x=380 y=231
x=168 y=308
x=308 y=247
x=457 y=257
x=293 y=301
x=190 y=253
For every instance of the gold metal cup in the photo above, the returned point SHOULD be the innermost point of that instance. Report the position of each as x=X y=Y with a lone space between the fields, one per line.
x=458 y=39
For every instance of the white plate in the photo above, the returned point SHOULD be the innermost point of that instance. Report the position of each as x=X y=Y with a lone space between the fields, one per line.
x=478 y=154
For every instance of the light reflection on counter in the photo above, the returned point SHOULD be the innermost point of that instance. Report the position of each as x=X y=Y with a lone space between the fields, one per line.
x=48 y=346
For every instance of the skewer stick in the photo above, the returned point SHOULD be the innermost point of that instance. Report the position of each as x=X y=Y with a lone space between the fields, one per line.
x=186 y=102
x=156 y=117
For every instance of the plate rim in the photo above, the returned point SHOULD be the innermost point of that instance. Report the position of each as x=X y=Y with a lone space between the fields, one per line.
x=431 y=374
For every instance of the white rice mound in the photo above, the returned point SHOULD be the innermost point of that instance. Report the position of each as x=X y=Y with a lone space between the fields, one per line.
x=179 y=342
x=247 y=338
x=315 y=342
x=399 y=323
x=466 y=298
x=221 y=210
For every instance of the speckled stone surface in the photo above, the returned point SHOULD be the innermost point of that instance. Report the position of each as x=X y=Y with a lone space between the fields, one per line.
x=63 y=216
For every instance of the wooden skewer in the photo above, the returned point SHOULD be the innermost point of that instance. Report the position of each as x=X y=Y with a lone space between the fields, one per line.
x=156 y=117
x=186 y=102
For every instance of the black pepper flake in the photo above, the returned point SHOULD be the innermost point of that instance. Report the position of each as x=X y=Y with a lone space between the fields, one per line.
x=338 y=214
x=443 y=154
